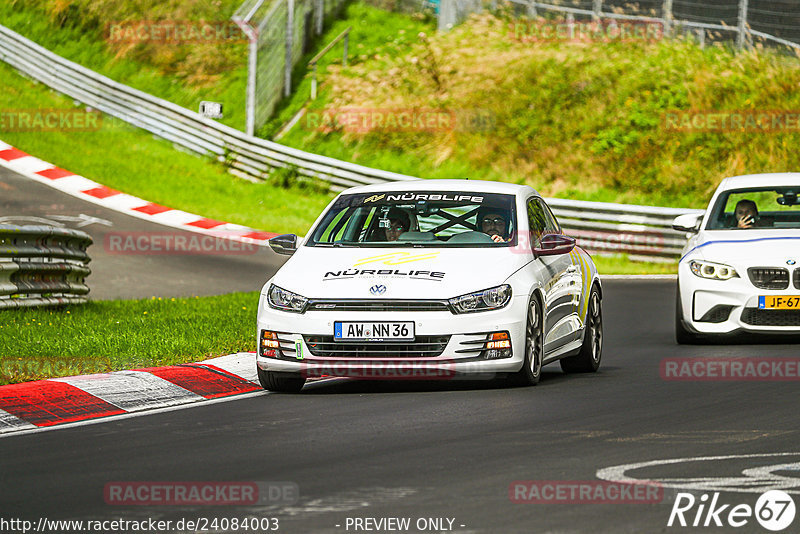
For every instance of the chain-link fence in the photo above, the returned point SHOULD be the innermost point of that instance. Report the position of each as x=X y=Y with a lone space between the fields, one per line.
x=279 y=32
x=745 y=21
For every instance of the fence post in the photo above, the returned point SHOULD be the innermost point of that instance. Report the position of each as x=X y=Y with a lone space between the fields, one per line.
x=287 y=68
x=320 y=15
x=346 y=46
x=742 y=37
x=532 y=9
x=314 y=83
x=667 y=16
x=571 y=25
x=597 y=9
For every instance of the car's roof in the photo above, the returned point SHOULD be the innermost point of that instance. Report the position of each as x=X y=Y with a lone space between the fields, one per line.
x=776 y=179
x=470 y=186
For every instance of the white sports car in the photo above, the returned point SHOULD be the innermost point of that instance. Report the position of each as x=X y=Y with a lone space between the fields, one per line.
x=739 y=270
x=429 y=279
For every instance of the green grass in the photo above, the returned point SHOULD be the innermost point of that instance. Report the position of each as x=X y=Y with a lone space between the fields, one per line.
x=115 y=335
x=574 y=120
x=184 y=73
x=374 y=33
x=622 y=264
x=135 y=162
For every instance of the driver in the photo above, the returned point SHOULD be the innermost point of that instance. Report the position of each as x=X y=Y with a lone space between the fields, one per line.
x=399 y=222
x=746 y=214
x=494 y=222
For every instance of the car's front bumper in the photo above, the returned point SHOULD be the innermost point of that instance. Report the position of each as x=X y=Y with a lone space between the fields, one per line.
x=457 y=334
x=729 y=306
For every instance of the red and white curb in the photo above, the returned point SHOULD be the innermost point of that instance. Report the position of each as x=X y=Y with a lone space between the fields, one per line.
x=43 y=404
x=90 y=191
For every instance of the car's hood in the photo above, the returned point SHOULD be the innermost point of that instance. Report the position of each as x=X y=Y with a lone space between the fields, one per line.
x=407 y=273
x=751 y=247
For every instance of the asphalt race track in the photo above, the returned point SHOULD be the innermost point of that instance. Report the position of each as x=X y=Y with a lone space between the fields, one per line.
x=444 y=449
x=444 y=455
x=134 y=274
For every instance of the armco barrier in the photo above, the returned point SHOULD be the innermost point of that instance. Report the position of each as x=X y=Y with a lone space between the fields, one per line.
x=638 y=230
x=42 y=265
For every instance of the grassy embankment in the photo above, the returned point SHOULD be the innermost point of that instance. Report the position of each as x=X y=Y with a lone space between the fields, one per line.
x=113 y=335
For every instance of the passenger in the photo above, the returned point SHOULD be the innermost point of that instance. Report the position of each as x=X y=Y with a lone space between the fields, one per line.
x=494 y=222
x=399 y=222
x=746 y=214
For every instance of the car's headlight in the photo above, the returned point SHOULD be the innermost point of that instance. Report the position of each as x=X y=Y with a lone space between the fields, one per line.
x=488 y=299
x=714 y=271
x=280 y=299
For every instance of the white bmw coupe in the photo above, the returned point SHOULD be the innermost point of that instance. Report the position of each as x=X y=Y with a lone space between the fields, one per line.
x=739 y=270
x=429 y=279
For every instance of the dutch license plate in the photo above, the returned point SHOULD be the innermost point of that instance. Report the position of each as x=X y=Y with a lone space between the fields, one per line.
x=773 y=302
x=373 y=331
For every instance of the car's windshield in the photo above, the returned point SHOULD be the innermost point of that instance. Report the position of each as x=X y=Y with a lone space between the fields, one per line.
x=764 y=207
x=419 y=218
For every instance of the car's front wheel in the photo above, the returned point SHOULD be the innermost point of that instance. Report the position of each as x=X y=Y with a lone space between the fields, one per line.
x=531 y=370
x=683 y=336
x=588 y=359
x=281 y=382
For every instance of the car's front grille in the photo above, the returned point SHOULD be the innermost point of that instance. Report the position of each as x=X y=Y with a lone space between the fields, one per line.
x=769 y=277
x=757 y=317
x=378 y=305
x=797 y=278
x=421 y=347
x=717 y=314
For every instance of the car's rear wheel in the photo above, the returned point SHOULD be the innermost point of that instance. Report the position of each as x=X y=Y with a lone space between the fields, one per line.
x=683 y=336
x=588 y=359
x=531 y=370
x=280 y=382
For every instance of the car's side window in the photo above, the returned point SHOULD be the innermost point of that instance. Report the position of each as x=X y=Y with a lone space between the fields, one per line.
x=551 y=226
x=537 y=222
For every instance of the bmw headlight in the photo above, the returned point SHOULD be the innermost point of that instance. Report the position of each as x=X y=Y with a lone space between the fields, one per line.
x=713 y=271
x=280 y=299
x=488 y=299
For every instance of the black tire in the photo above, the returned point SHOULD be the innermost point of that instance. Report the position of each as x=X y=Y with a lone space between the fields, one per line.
x=280 y=382
x=683 y=336
x=531 y=370
x=588 y=359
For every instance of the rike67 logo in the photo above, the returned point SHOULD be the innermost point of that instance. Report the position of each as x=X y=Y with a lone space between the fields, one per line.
x=774 y=510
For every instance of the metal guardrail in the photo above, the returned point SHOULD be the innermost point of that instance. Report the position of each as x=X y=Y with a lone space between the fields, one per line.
x=42 y=266
x=644 y=232
x=639 y=230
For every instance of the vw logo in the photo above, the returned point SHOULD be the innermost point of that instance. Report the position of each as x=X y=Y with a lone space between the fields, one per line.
x=790 y=262
x=378 y=289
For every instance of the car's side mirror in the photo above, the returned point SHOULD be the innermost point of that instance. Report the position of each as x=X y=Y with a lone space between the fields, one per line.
x=285 y=244
x=554 y=244
x=688 y=222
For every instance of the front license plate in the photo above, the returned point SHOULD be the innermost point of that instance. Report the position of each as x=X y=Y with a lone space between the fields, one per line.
x=779 y=303
x=369 y=331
